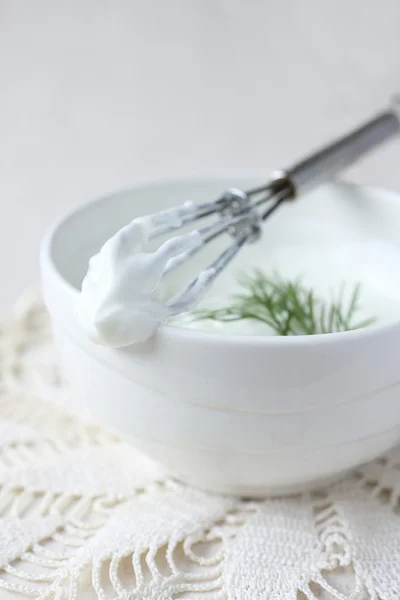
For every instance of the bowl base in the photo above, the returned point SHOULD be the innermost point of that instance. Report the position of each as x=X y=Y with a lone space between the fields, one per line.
x=249 y=492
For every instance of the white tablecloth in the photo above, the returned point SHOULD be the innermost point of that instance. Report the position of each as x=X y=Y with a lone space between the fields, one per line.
x=83 y=516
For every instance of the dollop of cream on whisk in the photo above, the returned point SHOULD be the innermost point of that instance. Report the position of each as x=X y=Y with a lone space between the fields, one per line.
x=121 y=301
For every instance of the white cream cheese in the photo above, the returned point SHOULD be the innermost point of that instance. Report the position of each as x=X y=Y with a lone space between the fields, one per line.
x=328 y=240
x=121 y=301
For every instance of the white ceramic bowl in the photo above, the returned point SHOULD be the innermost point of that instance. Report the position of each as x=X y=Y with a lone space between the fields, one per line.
x=239 y=414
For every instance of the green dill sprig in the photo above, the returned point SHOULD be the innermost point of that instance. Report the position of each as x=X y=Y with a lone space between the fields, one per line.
x=288 y=307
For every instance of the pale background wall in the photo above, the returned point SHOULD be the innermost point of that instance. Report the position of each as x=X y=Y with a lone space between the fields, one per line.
x=98 y=94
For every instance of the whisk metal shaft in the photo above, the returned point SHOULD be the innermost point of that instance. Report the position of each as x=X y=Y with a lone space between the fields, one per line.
x=241 y=214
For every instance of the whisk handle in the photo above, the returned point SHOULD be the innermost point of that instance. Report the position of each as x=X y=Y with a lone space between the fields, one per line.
x=324 y=164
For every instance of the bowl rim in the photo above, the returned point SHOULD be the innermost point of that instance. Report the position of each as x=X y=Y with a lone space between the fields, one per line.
x=169 y=331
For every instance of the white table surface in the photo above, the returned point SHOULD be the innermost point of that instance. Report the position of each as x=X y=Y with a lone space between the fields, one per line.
x=97 y=95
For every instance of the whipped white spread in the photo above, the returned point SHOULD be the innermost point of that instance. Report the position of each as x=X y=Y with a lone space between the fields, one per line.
x=121 y=301
x=123 y=297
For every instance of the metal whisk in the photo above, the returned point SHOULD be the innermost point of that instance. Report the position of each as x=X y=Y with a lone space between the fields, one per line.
x=242 y=214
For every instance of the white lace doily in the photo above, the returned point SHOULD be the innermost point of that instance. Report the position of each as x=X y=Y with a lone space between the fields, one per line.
x=82 y=516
